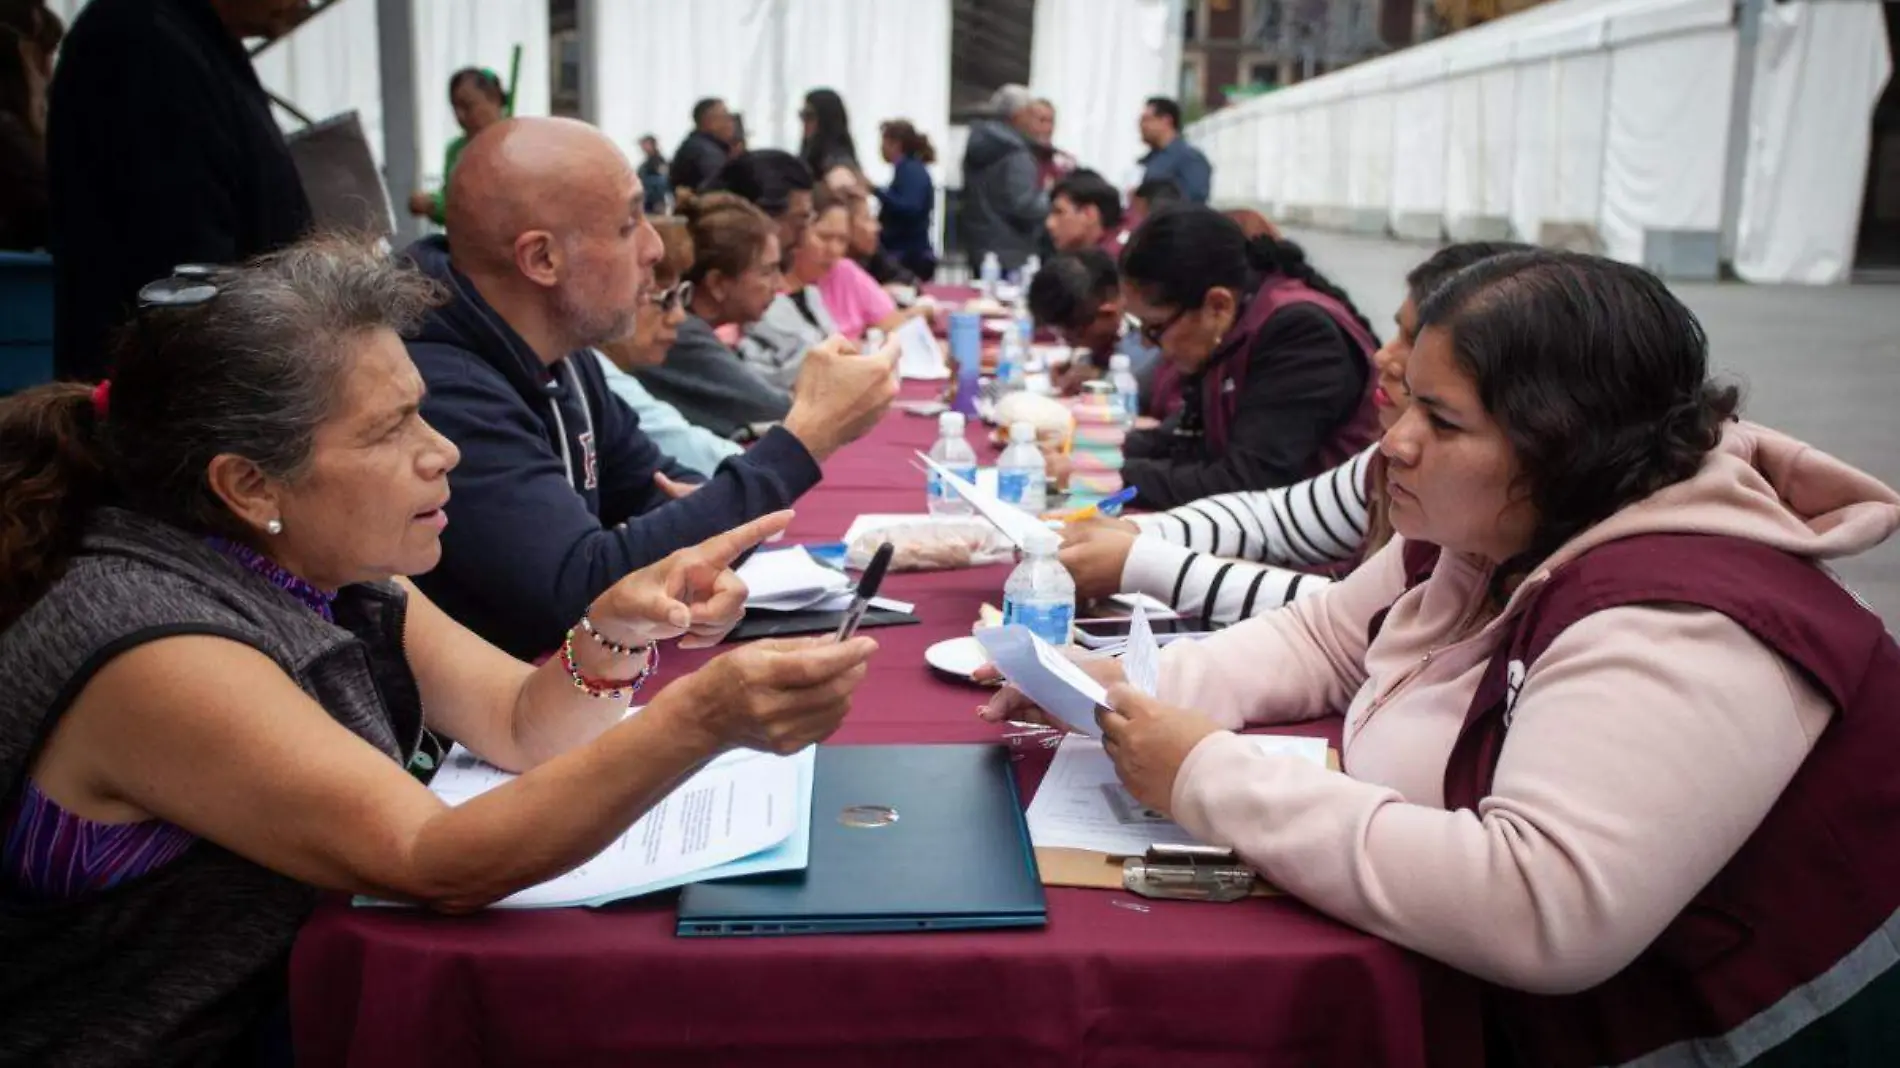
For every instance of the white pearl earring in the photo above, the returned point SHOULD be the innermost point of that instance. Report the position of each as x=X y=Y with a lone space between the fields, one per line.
x=275 y=526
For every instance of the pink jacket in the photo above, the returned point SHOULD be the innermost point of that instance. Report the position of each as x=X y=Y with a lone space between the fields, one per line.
x=1647 y=743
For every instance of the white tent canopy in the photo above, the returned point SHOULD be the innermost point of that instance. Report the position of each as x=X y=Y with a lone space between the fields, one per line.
x=650 y=62
x=1609 y=117
x=1097 y=61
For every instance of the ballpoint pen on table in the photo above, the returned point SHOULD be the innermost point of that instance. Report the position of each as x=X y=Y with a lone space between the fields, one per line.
x=867 y=589
x=1109 y=505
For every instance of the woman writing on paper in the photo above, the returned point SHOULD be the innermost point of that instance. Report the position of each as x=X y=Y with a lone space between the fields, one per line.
x=1615 y=744
x=217 y=672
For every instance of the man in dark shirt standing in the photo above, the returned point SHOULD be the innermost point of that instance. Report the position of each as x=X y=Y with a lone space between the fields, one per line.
x=706 y=149
x=161 y=149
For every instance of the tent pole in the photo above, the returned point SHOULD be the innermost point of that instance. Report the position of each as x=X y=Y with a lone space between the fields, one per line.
x=396 y=42
x=1741 y=106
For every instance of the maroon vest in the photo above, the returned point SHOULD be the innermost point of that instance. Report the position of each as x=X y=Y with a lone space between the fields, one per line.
x=1226 y=376
x=1803 y=919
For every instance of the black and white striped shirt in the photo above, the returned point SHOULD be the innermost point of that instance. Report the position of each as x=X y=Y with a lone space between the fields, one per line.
x=1225 y=558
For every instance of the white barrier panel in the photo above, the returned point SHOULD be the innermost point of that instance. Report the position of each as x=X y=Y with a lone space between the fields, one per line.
x=1668 y=133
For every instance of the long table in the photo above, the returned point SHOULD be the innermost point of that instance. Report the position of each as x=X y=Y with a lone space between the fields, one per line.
x=1112 y=980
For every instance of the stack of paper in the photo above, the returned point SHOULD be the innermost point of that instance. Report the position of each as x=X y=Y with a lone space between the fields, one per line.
x=745 y=813
x=1081 y=804
x=789 y=580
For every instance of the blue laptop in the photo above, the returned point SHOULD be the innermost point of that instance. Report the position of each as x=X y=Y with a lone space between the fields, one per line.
x=903 y=838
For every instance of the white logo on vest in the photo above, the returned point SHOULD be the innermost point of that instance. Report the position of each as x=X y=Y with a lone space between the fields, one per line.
x=1513 y=682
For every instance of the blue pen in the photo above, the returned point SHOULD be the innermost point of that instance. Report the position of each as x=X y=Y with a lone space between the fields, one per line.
x=1110 y=505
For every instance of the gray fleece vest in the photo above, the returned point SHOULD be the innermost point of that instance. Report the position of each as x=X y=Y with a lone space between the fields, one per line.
x=174 y=967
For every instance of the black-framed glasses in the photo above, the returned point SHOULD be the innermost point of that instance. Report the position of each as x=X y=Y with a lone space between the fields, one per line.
x=1153 y=333
x=190 y=285
x=677 y=296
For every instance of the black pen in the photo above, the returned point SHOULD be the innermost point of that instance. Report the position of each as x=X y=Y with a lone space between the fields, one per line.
x=867 y=589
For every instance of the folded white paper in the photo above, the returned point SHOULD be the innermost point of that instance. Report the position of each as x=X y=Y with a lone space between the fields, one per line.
x=789 y=580
x=1141 y=660
x=920 y=357
x=1044 y=675
x=1011 y=520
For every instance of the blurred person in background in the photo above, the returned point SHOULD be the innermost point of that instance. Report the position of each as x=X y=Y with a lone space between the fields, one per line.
x=851 y=290
x=655 y=328
x=1169 y=155
x=29 y=36
x=827 y=143
x=480 y=101
x=161 y=149
x=1086 y=212
x=779 y=184
x=1003 y=205
x=1077 y=296
x=798 y=319
x=1052 y=164
x=735 y=278
x=906 y=205
x=1149 y=197
x=653 y=174
x=867 y=248
x=706 y=149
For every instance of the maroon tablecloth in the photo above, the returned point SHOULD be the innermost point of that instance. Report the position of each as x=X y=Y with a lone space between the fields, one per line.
x=1261 y=982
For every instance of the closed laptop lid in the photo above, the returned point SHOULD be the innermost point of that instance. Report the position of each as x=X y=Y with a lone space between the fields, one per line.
x=903 y=837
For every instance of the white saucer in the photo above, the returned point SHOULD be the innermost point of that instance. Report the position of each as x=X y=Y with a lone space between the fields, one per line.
x=956 y=656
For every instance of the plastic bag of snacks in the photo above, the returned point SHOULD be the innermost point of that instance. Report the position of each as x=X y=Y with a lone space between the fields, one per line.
x=933 y=545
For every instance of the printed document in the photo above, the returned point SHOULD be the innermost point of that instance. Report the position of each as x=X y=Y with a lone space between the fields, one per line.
x=742 y=814
x=1082 y=805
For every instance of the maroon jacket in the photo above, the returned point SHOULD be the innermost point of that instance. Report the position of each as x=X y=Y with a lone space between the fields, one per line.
x=1222 y=387
x=1789 y=953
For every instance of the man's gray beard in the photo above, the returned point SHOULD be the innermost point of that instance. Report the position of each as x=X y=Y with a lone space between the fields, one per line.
x=591 y=329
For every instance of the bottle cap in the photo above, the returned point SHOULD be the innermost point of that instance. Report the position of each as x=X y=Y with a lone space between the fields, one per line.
x=1022 y=433
x=1041 y=541
x=950 y=423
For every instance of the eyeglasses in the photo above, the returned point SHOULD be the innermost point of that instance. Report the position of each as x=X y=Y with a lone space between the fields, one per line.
x=1153 y=333
x=678 y=296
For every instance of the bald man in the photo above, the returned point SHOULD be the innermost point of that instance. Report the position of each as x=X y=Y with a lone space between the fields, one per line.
x=559 y=493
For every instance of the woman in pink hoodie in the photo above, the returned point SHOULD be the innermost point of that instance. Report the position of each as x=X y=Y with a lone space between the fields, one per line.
x=1614 y=744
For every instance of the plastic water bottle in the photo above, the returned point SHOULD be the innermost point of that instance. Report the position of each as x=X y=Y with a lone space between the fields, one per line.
x=990 y=275
x=1121 y=375
x=955 y=455
x=1022 y=478
x=1040 y=594
x=1036 y=375
x=1009 y=365
x=1030 y=267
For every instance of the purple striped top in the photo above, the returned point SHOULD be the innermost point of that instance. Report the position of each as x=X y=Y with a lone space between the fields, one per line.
x=52 y=854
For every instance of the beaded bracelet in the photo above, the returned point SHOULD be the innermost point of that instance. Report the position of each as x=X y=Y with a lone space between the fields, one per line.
x=611 y=689
x=614 y=647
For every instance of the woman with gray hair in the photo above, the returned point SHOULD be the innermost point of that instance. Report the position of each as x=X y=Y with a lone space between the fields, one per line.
x=217 y=672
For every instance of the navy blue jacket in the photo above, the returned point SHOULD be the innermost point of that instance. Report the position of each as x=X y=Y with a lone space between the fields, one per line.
x=554 y=499
x=908 y=203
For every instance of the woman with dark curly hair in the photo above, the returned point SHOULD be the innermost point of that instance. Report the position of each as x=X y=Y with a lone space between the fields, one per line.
x=1616 y=744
